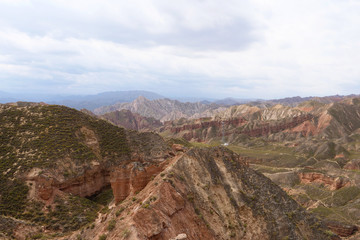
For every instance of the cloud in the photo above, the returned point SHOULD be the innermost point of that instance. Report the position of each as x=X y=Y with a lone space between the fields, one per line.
x=191 y=48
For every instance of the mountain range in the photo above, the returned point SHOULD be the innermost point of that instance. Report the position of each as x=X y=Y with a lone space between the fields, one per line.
x=163 y=169
x=104 y=99
x=162 y=109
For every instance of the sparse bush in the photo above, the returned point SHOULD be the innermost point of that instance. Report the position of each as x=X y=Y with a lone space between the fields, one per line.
x=111 y=225
x=126 y=233
x=103 y=237
x=118 y=212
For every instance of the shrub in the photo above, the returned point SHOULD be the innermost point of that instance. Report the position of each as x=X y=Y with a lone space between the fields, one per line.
x=103 y=237
x=111 y=225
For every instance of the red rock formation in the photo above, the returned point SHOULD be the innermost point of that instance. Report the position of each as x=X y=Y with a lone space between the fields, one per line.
x=333 y=183
x=236 y=122
x=251 y=129
x=307 y=128
x=89 y=183
x=168 y=211
x=86 y=185
x=124 y=180
x=268 y=128
x=190 y=199
x=342 y=229
x=353 y=165
x=131 y=179
x=178 y=148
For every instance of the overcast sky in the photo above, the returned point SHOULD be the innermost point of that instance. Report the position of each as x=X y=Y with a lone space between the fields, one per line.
x=191 y=48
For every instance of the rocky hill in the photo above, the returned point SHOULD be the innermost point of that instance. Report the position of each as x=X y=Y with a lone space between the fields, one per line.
x=68 y=175
x=208 y=194
x=278 y=122
x=311 y=151
x=162 y=109
x=53 y=156
x=127 y=119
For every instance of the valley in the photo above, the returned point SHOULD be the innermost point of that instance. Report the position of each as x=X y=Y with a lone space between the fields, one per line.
x=238 y=172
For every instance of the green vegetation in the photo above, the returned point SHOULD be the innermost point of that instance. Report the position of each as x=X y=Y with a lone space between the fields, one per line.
x=118 y=212
x=38 y=136
x=103 y=237
x=266 y=169
x=69 y=214
x=344 y=195
x=323 y=211
x=180 y=141
x=104 y=197
x=45 y=137
x=272 y=155
x=201 y=144
x=12 y=196
x=112 y=224
x=126 y=233
x=316 y=192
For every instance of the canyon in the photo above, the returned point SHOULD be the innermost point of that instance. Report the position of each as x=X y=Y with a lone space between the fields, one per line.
x=100 y=180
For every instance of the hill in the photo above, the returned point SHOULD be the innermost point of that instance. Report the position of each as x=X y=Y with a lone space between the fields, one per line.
x=311 y=151
x=134 y=121
x=68 y=175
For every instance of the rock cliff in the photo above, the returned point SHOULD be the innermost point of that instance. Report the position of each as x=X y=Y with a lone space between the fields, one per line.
x=209 y=194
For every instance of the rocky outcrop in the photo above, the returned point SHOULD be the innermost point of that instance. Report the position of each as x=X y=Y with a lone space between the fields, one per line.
x=132 y=178
x=124 y=180
x=181 y=236
x=263 y=129
x=178 y=148
x=353 y=165
x=342 y=229
x=333 y=183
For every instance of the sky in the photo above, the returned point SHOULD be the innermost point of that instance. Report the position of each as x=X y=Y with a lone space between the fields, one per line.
x=188 y=48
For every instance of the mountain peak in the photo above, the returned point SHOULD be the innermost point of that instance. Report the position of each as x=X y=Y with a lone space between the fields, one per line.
x=141 y=99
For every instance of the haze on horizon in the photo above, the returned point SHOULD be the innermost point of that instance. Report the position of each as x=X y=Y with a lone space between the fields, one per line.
x=202 y=48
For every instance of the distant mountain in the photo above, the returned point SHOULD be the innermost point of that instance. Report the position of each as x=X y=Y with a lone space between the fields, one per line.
x=92 y=102
x=161 y=109
x=232 y=101
x=89 y=102
x=294 y=101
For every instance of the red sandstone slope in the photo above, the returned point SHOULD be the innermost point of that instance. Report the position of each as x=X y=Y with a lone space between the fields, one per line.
x=332 y=120
x=207 y=194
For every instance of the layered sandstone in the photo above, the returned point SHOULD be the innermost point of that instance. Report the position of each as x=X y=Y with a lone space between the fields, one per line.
x=209 y=194
x=331 y=182
x=342 y=229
